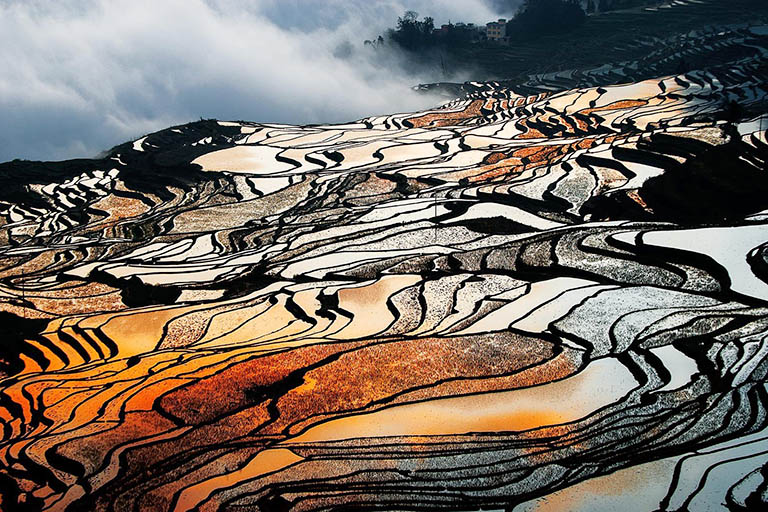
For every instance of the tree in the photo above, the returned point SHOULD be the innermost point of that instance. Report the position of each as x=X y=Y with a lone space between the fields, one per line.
x=420 y=37
x=409 y=18
x=412 y=34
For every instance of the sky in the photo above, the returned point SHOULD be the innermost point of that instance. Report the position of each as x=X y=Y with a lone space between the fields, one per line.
x=80 y=76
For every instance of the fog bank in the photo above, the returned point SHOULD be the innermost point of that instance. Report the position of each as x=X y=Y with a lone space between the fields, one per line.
x=81 y=76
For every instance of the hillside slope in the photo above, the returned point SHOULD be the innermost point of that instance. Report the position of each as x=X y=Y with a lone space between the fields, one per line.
x=512 y=301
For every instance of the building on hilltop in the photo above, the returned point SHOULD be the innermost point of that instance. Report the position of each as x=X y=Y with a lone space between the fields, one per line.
x=496 y=30
x=468 y=32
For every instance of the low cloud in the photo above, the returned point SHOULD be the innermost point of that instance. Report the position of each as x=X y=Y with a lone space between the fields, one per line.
x=81 y=76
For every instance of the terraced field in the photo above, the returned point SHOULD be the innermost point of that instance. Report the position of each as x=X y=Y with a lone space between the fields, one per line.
x=538 y=300
x=643 y=43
